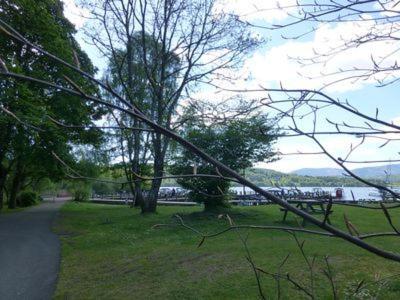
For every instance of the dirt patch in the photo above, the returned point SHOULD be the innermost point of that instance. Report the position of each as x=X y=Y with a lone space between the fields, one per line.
x=192 y=258
x=209 y=265
x=236 y=215
x=65 y=233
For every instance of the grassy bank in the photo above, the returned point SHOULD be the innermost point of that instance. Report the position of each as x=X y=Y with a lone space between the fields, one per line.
x=111 y=252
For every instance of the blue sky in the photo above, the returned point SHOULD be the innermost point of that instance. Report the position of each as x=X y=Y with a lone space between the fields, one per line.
x=273 y=64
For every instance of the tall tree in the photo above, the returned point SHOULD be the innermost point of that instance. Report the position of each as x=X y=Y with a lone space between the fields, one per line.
x=208 y=42
x=28 y=133
x=252 y=138
x=127 y=67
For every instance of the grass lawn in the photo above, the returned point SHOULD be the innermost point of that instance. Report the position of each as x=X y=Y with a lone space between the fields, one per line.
x=112 y=252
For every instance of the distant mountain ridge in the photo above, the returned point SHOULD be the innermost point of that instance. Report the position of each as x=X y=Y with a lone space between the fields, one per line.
x=318 y=172
x=267 y=177
x=367 y=172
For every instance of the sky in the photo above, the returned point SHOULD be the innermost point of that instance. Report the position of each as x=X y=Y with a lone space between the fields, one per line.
x=275 y=64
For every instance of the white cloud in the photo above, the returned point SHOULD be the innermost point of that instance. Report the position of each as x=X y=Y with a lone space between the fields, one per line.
x=396 y=121
x=390 y=8
x=278 y=64
x=76 y=15
x=250 y=10
x=338 y=146
x=289 y=163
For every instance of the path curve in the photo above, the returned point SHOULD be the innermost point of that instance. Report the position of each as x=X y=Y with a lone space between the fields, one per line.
x=29 y=253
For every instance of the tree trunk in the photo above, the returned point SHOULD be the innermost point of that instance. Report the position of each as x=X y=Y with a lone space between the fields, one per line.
x=138 y=194
x=12 y=200
x=149 y=205
x=1 y=196
x=15 y=187
x=3 y=177
x=135 y=163
x=5 y=138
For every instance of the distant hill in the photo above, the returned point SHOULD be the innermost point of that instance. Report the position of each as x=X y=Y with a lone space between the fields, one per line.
x=325 y=177
x=368 y=172
x=318 y=172
x=266 y=177
x=378 y=172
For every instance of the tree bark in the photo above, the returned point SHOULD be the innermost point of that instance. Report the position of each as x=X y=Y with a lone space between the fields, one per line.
x=15 y=187
x=3 y=177
x=138 y=194
x=5 y=138
x=136 y=165
x=12 y=200
x=149 y=205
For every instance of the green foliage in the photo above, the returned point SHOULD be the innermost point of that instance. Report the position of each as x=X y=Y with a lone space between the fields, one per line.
x=129 y=73
x=87 y=167
x=80 y=191
x=127 y=68
x=238 y=144
x=28 y=198
x=43 y=23
x=81 y=194
x=213 y=193
x=112 y=179
x=103 y=188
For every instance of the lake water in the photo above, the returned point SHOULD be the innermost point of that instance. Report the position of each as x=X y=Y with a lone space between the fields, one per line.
x=360 y=193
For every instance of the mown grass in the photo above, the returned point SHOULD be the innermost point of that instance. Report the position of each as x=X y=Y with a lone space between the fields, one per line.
x=112 y=252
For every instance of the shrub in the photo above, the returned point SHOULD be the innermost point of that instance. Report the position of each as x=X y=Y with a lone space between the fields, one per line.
x=212 y=192
x=27 y=198
x=81 y=194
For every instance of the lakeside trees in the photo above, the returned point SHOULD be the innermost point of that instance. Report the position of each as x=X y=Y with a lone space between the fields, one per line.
x=183 y=44
x=237 y=143
x=127 y=73
x=28 y=135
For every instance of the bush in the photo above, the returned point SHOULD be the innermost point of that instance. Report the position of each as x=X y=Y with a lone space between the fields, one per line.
x=28 y=198
x=81 y=194
x=212 y=192
x=79 y=190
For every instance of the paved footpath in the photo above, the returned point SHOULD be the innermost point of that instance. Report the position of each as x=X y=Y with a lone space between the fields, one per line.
x=29 y=253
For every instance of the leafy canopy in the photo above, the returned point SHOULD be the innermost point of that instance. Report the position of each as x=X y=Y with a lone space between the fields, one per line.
x=239 y=143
